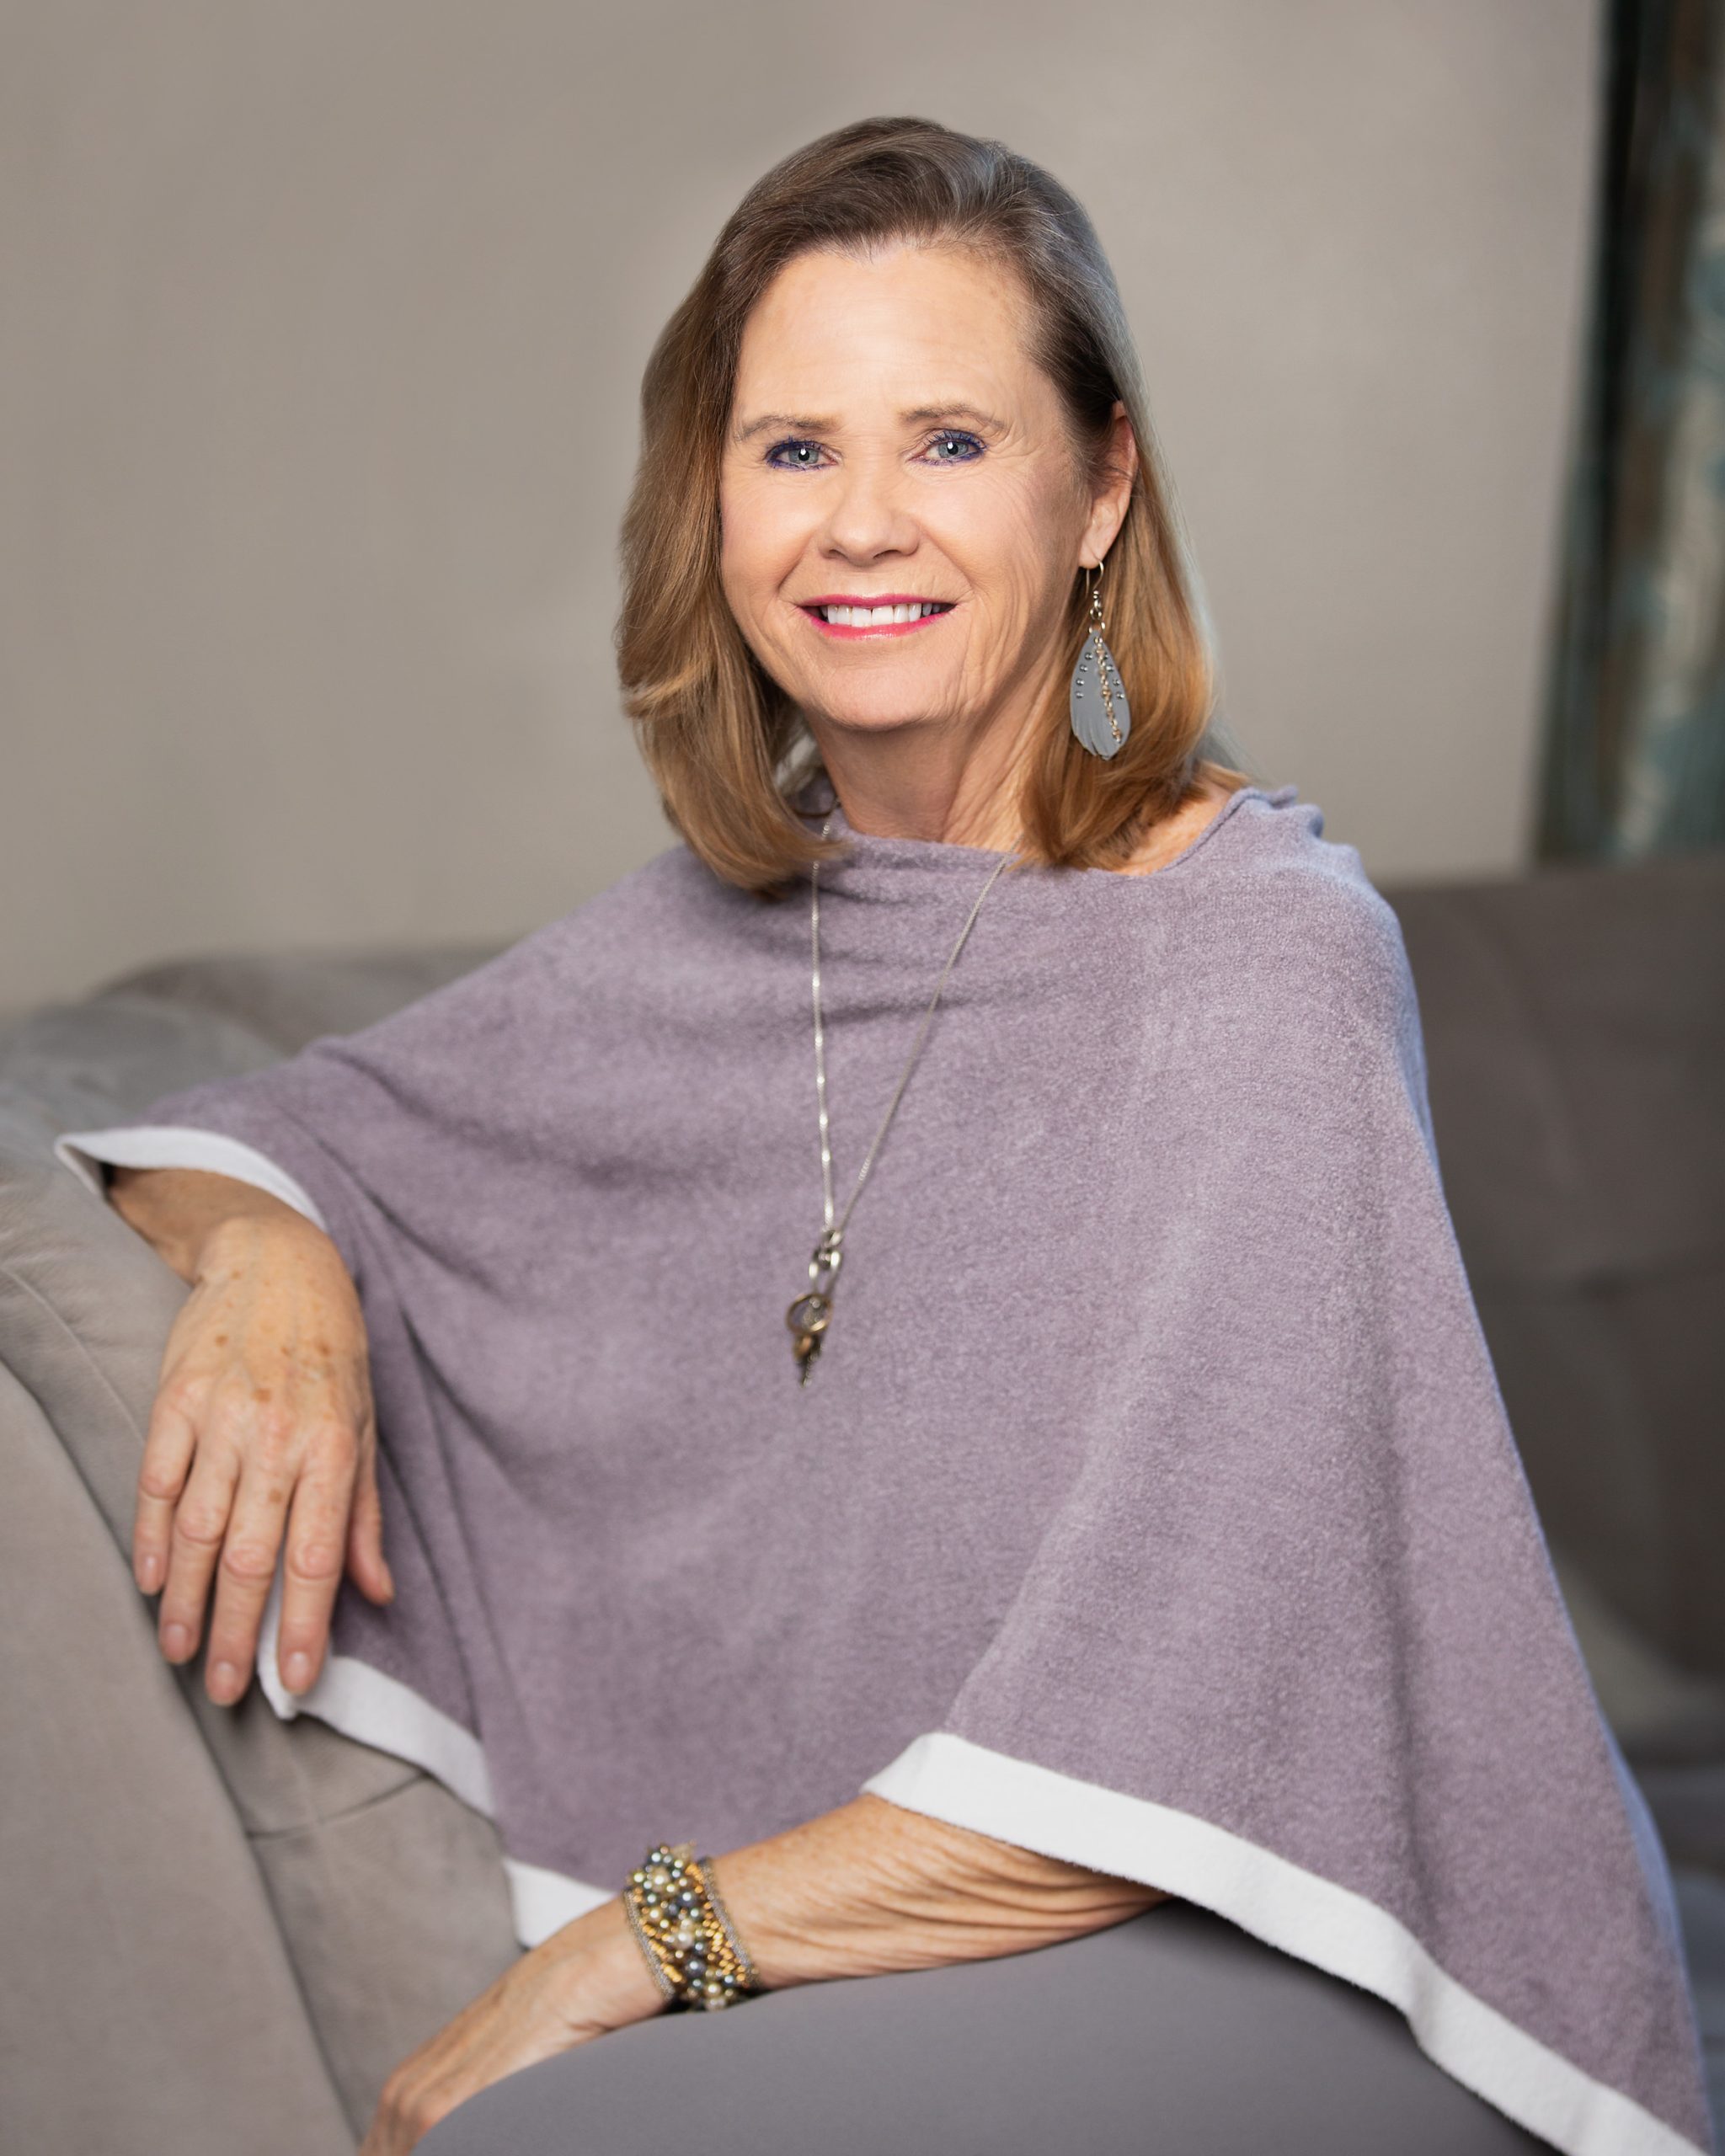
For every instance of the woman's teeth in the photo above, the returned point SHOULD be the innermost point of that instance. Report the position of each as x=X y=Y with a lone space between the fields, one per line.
x=865 y=617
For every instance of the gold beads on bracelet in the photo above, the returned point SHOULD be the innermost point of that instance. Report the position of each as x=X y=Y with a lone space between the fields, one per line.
x=672 y=1903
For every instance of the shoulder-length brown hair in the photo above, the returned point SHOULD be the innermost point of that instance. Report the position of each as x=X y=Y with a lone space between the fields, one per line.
x=727 y=748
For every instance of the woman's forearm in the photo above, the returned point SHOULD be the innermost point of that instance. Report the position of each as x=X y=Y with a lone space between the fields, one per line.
x=873 y=1887
x=181 y=1212
x=861 y=1891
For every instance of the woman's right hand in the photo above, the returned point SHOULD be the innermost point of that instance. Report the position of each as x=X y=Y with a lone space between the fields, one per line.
x=262 y=1431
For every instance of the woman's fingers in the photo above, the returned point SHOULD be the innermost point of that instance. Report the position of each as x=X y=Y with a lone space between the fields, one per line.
x=261 y=1425
x=168 y=1454
x=317 y=1536
x=213 y=1509
x=228 y=1529
x=194 y=1544
x=365 y=1542
x=243 y=1577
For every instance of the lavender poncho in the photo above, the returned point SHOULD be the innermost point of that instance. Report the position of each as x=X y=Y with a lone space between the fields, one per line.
x=1151 y=1504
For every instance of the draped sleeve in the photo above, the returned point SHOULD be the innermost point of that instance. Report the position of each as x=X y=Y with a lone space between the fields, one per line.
x=1291 y=1646
x=417 y=1144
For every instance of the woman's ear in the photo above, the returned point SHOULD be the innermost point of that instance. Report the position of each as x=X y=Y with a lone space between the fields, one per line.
x=1112 y=492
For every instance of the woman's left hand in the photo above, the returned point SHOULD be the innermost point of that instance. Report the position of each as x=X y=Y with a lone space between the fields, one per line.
x=584 y=1981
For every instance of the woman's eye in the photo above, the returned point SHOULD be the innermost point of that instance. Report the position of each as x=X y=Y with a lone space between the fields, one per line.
x=795 y=455
x=949 y=447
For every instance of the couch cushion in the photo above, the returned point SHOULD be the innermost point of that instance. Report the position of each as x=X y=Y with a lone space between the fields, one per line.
x=290 y=997
x=1575 y=1031
x=131 y=1904
x=389 y=1892
x=149 y=1032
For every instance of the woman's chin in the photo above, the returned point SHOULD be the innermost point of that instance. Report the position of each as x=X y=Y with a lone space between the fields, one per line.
x=879 y=706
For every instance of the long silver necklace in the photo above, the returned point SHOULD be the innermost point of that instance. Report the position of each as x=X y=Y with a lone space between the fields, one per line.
x=811 y=1313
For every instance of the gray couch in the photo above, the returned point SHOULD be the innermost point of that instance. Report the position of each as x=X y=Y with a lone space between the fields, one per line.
x=220 y=1931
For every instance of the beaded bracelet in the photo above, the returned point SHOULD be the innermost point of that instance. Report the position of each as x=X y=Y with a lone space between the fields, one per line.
x=682 y=1927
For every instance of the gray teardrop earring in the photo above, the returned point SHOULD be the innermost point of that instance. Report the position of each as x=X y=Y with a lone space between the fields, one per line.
x=1101 y=719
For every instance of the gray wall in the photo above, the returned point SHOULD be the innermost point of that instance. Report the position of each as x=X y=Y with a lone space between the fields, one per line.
x=321 y=330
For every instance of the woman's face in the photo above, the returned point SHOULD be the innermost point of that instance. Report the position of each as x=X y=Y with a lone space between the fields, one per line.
x=893 y=445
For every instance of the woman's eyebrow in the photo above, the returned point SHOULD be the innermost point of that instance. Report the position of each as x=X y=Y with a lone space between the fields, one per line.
x=792 y=422
x=927 y=413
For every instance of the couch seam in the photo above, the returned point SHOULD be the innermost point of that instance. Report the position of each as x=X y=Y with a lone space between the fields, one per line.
x=270 y=1834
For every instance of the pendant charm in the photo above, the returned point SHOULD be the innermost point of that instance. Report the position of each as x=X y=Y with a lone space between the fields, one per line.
x=1101 y=716
x=807 y=1317
x=810 y=1316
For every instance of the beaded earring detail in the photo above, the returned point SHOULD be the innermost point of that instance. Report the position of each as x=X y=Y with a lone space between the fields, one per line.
x=1101 y=719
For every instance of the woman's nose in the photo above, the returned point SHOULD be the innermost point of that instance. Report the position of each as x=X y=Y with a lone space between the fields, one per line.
x=867 y=515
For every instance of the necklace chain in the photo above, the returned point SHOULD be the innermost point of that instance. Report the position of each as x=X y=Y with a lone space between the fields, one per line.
x=810 y=1316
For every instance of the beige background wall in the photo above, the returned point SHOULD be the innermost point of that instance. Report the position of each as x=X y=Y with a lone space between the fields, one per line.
x=320 y=325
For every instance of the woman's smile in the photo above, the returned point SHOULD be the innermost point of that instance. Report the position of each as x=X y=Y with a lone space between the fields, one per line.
x=842 y=615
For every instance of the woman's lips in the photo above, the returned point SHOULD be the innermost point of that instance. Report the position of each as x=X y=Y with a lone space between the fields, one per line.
x=815 y=610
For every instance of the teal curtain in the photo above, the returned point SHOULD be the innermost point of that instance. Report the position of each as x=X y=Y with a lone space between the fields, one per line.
x=1635 y=725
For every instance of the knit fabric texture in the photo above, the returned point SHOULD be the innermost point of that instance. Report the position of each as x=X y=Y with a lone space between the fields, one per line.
x=1154 y=1441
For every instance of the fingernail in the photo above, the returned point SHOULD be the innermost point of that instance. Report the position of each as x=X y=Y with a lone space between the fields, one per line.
x=150 y=1574
x=176 y=1642
x=298 y=1672
x=224 y=1681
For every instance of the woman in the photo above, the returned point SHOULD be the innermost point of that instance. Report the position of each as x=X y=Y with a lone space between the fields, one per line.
x=1125 y=1498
